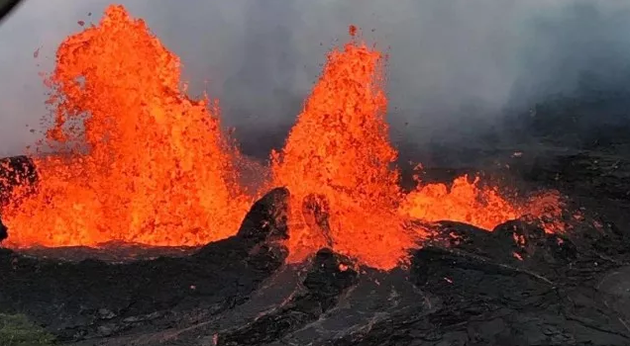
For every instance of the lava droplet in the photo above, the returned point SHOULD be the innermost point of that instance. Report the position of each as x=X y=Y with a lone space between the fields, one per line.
x=352 y=30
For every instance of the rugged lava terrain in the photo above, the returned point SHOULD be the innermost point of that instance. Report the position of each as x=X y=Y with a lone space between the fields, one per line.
x=466 y=287
x=282 y=278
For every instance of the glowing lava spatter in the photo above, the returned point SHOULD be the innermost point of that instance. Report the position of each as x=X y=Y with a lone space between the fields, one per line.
x=464 y=201
x=481 y=206
x=339 y=149
x=146 y=163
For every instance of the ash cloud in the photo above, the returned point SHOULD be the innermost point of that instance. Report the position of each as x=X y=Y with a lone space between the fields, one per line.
x=454 y=66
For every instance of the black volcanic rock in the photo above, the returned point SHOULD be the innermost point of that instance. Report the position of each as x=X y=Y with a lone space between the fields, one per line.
x=3 y=231
x=97 y=299
x=516 y=242
x=516 y=285
x=476 y=293
x=328 y=278
x=484 y=302
x=531 y=244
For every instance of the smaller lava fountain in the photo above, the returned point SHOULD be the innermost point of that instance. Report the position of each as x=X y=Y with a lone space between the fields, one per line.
x=339 y=149
x=143 y=163
x=480 y=206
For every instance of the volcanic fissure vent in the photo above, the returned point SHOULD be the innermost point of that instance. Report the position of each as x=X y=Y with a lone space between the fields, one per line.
x=136 y=160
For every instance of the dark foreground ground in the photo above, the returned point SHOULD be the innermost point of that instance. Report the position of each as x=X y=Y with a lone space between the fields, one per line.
x=465 y=288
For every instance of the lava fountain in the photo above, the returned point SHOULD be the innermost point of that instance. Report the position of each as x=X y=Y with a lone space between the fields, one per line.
x=339 y=150
x=143 y=162
x=338 y=160
x=467 y=201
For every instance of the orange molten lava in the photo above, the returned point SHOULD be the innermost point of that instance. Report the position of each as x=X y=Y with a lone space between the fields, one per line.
x=338 y=156
x=146 y=163
x=465 y=201
x=339 y=149
x=481 y=206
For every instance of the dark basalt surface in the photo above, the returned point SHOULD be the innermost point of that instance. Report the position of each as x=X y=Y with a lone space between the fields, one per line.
x=466 y=286
x=93 y=298
x=3 y=231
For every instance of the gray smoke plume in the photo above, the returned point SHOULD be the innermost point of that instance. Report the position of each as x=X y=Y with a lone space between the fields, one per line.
x=454 y=66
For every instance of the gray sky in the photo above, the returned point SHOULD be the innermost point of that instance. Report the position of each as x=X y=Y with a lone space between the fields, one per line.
x=451 y=62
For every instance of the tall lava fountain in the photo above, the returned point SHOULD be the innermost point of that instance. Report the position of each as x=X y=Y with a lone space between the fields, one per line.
x=339 y=149
x=144 y=164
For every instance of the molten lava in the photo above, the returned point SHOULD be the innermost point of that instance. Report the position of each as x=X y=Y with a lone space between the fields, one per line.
x=339 y=153
x=465 y=202
x=145 y=163
x=339 y=149
x=481 y=206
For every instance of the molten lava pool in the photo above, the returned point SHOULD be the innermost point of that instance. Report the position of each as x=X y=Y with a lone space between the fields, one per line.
x=141 y=162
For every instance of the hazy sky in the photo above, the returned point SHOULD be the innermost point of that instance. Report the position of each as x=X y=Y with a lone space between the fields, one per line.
x=451 y=61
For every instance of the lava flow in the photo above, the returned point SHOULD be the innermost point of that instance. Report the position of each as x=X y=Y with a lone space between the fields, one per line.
x=143 y=163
